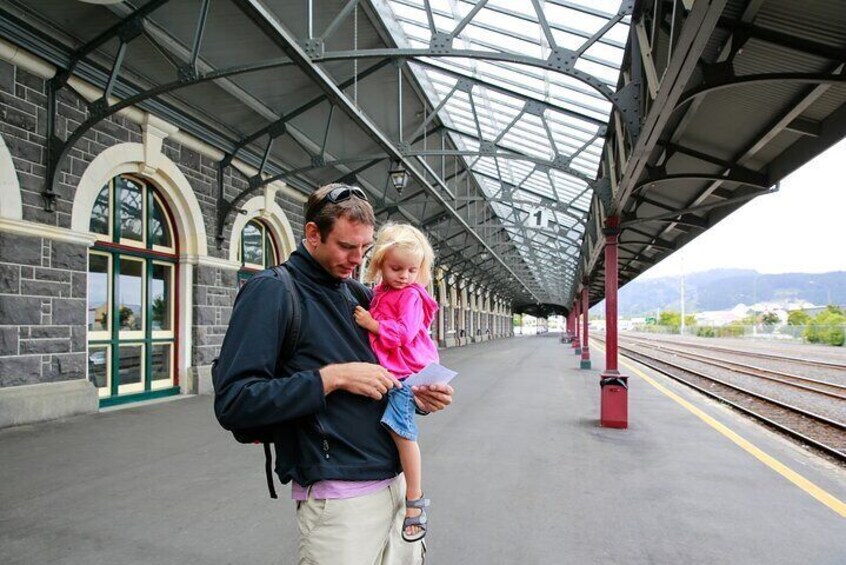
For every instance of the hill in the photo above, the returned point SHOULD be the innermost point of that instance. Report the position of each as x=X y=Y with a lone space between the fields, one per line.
x=722 y=289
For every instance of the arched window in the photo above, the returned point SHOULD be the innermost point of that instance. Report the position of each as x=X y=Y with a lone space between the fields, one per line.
x=132 y=274
x=258 y=250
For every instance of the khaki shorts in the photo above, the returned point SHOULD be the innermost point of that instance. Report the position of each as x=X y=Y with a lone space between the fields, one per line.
x=364 y=530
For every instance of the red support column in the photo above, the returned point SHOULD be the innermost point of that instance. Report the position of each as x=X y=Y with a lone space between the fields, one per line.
x=614 y=402
x=577 y=340
x=569 y=335
x=585 y=362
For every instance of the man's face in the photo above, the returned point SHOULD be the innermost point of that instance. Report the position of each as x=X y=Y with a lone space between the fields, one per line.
x=344 y=247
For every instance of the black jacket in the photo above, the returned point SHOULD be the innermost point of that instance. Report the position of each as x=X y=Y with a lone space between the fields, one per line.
x=318 y=437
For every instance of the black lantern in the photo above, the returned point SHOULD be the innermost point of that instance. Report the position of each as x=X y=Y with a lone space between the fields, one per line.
x=399 y=176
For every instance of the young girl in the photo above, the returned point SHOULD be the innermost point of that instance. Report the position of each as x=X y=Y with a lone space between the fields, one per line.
x=398 y=322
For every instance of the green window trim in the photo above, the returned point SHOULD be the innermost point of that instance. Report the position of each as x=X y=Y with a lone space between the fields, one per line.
x=152 y=258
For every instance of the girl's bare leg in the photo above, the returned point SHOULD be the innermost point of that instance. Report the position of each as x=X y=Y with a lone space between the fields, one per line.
x=409 y=453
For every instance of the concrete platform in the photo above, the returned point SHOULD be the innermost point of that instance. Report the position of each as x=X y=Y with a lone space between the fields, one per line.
x=517 y=469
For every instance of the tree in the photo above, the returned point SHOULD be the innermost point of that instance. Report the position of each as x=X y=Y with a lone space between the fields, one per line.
x=159 y=313
x=798 y=318
x=770 y=319
x=669 y=318
x=672 y=320
x=126 y=317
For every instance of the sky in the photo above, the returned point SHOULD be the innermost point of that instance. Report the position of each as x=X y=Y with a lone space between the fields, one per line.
x=799 y=229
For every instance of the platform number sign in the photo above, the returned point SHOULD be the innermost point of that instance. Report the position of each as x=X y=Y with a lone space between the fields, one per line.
x=539 y=218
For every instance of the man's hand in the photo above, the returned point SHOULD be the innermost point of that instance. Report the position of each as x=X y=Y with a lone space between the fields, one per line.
x=365 y=320
x=431 y=398
x=365 y=379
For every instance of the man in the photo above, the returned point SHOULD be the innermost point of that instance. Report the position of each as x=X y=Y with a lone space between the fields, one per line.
x=328 y=396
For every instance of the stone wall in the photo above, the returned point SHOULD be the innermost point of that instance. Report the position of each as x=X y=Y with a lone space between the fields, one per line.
x=43 y=281
x=42 y=310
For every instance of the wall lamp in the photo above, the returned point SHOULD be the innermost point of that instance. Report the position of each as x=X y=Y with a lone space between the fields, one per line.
x=399 y=176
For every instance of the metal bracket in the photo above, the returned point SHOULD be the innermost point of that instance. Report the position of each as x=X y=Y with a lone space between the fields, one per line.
x=314 y=48
x=508 y=189
x=186 y=73
x=534 y=108
x=464 y=85
x=254 y=182
x=487 y=148
x=561 y=161
x=133 y=27
x=276 y=129
x=562 y=59
x=602 y=188
x=222 y=205
x=97 y=109
x=627 y=100
x=441 y=43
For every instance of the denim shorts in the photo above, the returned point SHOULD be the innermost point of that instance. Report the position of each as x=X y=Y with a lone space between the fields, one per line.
x=399 y=415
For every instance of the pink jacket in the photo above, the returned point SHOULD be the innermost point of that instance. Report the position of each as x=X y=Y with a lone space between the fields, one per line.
x=403 y=345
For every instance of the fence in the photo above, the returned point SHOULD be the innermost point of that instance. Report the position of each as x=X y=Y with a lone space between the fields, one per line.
x=811 y=333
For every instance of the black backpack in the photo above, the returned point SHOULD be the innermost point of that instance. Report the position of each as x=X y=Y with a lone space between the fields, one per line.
x=266 y=435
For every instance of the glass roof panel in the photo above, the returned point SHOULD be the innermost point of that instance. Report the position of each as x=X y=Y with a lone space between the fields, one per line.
x=545 y=127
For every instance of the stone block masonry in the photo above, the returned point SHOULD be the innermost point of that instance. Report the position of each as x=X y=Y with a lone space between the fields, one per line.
x=44 y=277
x=42 y=313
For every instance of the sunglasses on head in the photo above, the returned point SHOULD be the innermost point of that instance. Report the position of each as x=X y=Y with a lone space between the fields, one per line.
x=339 y=194
x=344 y=193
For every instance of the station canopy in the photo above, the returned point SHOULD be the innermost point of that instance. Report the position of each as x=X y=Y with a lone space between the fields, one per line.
x=505 y=129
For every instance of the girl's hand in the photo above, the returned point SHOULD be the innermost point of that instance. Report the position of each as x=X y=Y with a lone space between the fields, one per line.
x=365 y=320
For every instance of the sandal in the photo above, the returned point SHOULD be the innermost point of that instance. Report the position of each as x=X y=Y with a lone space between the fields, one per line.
x=419 y=521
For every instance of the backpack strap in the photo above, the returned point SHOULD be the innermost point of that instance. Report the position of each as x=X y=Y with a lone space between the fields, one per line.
x=293 y=329
x=286 y=349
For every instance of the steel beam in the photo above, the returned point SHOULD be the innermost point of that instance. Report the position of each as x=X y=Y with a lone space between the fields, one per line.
x=267 y=23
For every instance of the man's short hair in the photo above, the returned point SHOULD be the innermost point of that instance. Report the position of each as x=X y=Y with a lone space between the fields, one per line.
x=324 y=213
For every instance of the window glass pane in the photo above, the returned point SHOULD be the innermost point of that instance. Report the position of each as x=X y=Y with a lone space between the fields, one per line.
x=130 y=300
x=159 y=232
x=98 y=363
x=270 y=256
x=130 y=364
x=98 y=293
x=251 y=238
x=131 y=209
x=161 y=362
x=161 y=297
x=100 y=213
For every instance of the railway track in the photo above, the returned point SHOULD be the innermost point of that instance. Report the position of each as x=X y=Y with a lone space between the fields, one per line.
x=819 y=386
x=758 y=354
x=825 y=434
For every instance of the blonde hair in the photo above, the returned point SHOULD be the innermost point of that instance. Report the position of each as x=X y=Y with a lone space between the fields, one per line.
x=403 y=237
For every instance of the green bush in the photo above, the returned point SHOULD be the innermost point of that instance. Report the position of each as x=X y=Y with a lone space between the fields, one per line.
x=827 y=327
x=730 y=331
x=705 y=331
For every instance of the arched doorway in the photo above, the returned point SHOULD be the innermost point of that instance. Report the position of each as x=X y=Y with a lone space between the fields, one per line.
x=133 y=271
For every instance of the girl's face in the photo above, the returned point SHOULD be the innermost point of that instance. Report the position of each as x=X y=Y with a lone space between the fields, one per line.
x=399 y=269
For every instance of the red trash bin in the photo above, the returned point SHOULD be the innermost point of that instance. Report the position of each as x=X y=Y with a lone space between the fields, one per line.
x=614 y=406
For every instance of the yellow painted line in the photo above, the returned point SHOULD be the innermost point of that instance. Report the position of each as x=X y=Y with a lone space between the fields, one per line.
x=809 y=487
